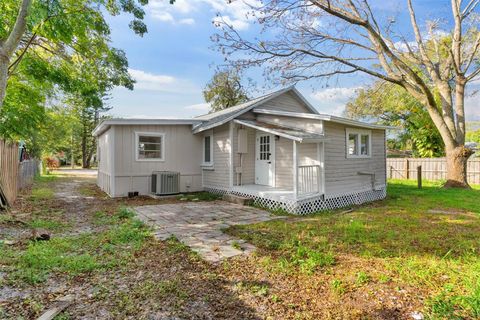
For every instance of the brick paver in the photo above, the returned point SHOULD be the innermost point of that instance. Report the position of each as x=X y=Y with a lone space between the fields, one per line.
x=199 y=225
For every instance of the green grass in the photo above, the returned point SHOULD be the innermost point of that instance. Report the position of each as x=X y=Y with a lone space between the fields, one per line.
x=427 y=238
x=78 y=254
x=47 y=224
x=42 y=193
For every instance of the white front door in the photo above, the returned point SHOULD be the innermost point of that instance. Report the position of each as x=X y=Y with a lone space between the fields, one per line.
x=265 y=159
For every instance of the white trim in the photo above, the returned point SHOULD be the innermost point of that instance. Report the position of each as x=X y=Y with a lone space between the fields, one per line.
x=230 y=158
x=104 y=125
x=150 y=134
x=207 y=164
x=295 y=170
x=323 y=168
x=359 y=134
x=112 y=164
x=324 y=117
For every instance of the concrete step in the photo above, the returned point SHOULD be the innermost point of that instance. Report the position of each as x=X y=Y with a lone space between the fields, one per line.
x=244 y=201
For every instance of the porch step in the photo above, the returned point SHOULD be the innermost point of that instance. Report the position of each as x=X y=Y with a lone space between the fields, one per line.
x=244 y=201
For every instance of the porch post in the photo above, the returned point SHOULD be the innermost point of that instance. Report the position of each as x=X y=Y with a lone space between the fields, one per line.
x=295 y=169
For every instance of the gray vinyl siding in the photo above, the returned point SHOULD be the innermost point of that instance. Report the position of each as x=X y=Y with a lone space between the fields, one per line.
x=104 y=166
x=286 y=102
x=219 y=174
x=248 y=159
x=284 y=163
x=341 y=173
x=309 y=125
x=183 y=152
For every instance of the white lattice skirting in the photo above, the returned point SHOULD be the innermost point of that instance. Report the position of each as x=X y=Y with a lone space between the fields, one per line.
x=310 y=205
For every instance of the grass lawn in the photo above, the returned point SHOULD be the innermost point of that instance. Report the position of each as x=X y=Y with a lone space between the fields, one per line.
x=416 y=251
x=420 y=244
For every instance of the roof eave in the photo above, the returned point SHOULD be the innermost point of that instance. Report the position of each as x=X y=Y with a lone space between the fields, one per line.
x=106 y=124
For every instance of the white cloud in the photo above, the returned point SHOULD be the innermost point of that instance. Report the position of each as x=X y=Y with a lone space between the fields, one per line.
x=159 y=82
x=163 y=16
x=187 y=21
x=237 y=24
x=233 y=12
x=333 y=100
x=199 y=107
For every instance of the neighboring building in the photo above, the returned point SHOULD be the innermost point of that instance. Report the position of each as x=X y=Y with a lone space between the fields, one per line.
x=276 y=149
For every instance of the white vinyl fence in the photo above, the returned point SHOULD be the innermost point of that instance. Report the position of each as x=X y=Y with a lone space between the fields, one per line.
x=432 y=169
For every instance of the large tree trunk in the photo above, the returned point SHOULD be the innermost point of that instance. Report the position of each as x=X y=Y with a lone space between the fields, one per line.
x=3 y=77
x=457 y=167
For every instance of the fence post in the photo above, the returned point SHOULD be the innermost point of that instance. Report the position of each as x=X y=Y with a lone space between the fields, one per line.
x=419 y=177
x=407 y=168
x=391 y=172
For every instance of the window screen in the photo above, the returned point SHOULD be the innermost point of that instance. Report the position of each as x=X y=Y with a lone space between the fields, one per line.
x=207 y=156
x=150 y=147
x=364 y=144
x=352 y=143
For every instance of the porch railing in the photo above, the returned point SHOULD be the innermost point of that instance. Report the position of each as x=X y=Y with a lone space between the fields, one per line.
x=309 y=179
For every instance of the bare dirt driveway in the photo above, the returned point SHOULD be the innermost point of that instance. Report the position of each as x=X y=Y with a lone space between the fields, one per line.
x=100 y=254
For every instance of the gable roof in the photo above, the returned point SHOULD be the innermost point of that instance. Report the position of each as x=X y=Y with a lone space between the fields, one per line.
x=218 y=118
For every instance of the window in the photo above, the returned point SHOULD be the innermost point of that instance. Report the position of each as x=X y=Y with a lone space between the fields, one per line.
x=150 y=146
x=358 y=143
x=352 y=143
x=364 y=144
x=208 y=150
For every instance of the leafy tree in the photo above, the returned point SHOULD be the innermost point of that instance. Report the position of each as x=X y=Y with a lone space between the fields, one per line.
x=224 y=90
x=61 y=26
x=391 y=105
x=60 y=70
x=473 y=136
x=330 y=38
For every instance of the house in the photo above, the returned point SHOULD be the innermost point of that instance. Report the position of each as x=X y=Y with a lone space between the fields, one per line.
x=276 y=149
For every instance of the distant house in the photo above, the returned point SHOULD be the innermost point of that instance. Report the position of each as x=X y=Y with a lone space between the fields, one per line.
x=276 y=149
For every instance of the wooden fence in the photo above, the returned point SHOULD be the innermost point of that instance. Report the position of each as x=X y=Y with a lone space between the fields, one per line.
x=432 y=169
x=27 y=171
x=8 y=172
x=14 y=175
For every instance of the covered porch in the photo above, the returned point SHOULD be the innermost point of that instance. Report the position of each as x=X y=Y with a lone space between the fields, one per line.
x=277 y=163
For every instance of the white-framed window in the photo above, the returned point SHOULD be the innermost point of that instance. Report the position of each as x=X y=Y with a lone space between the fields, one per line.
x=358 y=143
x=149 y=146
x=208 y=150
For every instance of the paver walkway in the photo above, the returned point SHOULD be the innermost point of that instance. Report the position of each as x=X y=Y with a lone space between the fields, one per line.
x=199 y=225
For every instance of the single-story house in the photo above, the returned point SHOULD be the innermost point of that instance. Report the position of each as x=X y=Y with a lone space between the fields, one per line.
x=276 y=149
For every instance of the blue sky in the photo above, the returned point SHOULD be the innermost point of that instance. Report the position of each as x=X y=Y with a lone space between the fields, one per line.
x=175 y=59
